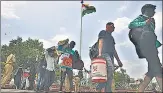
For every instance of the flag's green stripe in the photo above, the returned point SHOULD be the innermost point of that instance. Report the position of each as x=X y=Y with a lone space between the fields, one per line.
x=88 y=10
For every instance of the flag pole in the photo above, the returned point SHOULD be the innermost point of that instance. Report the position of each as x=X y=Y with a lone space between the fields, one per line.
x=81 y=28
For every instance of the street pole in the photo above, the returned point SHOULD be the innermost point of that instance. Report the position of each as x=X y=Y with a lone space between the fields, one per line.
x=81 y=29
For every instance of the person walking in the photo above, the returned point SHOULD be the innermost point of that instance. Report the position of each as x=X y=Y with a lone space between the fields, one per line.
x=50 y=70
x=18 y=77
x=106 y=46
x=41 y=72
x=142 y=35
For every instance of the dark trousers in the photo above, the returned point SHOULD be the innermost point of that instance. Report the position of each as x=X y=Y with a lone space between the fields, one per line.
x=63 y=76
x=40 y=80
x=17 y=81
x=146 y=42
x=31 y=84
x=48 y=80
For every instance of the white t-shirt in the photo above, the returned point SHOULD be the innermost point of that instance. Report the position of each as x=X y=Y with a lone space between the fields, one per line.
x=50 y=62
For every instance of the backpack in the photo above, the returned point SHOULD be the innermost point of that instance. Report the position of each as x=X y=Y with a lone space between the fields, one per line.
x=77 y=62
x=93 y=51
x=79 y=65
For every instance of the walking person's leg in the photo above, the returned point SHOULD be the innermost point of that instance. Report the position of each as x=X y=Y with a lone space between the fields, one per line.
x=42 y=79
x=100 y=86
x=78 y=84
x=149 y=50
x=144 y=84
x=42 y=83
x=63 y=75
x=38 y=81
x=155 y=67
x=110 y=71
x=75 y=83
x=16 y=81
x=23 y=83
x=52 y=77
x=70 y=76
x=19 y=82
x=32 y=84
x=47 y=80
x=67 y=84
x=27 y=83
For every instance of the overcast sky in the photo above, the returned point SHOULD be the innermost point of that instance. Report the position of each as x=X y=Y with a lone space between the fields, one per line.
x=51 y=21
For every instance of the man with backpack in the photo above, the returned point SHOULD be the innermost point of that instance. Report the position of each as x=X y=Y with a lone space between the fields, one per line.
x=106 y=50
x=143 y=36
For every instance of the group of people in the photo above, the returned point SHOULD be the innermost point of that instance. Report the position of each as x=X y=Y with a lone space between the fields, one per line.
x=57 y=55
x=24 y=77
x=142 y=35
x=44 y=72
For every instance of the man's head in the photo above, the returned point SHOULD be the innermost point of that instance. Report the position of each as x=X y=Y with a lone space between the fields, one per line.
x=148 y=10
x=51 y=52
x=110 y=27
x=72 y=44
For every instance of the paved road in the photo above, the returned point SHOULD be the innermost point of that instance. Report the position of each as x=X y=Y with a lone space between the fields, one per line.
x=31 y=91
x=15 y=90
x=20 y=91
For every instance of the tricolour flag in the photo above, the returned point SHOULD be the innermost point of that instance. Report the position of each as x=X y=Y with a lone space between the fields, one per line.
x=87 y=9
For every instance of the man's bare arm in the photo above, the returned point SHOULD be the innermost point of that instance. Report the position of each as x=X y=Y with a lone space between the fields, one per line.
x=117 y=58
x=116 y=55
x=100 y=44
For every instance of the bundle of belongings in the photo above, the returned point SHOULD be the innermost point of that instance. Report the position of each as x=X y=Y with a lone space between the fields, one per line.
x=138 y=34
x=69 y=61
x=68 y=57
x=65 y=59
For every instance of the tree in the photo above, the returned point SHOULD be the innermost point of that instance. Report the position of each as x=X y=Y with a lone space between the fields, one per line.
x=121 y=79
x=24 y=50
x=141 y=80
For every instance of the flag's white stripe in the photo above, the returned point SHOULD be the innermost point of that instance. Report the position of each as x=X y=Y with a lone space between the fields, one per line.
x=83 y=8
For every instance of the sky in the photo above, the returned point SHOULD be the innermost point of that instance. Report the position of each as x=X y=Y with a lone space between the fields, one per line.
x=51 y=21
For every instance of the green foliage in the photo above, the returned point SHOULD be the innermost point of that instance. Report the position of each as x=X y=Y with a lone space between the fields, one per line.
x=23 y=50
x=122 y=79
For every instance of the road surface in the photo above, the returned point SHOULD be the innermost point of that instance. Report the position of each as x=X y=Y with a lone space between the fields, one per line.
x=15 y=90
